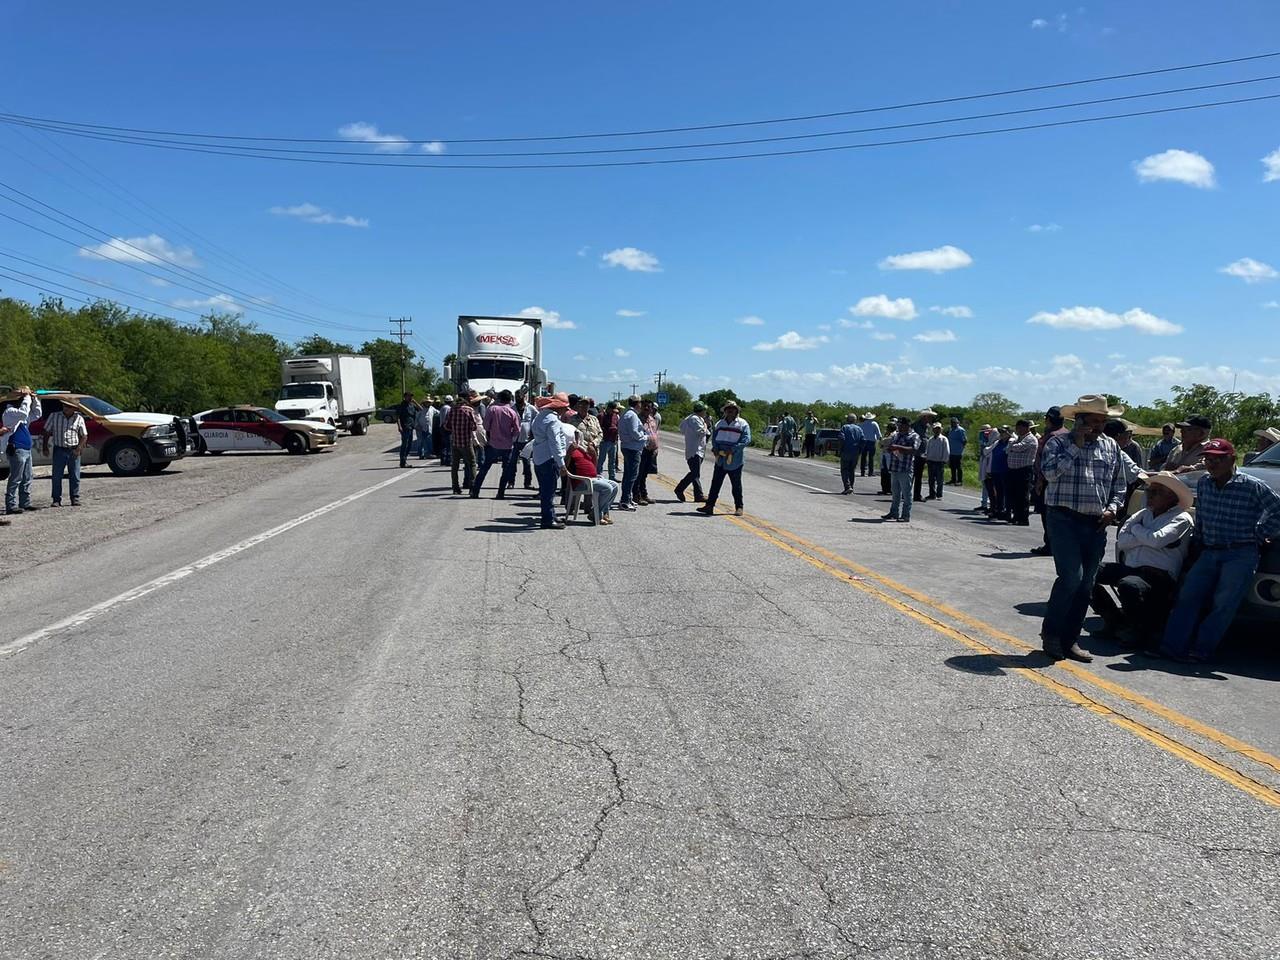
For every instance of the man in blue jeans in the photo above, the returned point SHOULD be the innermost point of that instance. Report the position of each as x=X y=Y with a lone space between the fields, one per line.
x=18 y=414
x=1236 y=514
x=1084 y=495
x=549 y=448
x=406 y=420
x=851 y=440
x=632 y=438
x=900 y=453
x=65 y=435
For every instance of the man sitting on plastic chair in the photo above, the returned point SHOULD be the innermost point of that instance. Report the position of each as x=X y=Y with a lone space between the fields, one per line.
x=583 y=477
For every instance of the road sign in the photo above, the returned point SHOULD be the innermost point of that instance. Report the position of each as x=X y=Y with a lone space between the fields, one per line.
x=663 y=399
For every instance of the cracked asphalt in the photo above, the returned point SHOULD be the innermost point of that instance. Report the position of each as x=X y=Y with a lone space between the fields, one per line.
x=414 y=726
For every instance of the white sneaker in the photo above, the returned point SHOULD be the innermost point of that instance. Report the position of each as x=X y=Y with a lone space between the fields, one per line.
x=630 y=508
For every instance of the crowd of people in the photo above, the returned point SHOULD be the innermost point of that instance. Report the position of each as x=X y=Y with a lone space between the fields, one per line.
x=63 y=437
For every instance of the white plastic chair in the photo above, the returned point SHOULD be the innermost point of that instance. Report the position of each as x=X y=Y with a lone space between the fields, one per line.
x=580 y=488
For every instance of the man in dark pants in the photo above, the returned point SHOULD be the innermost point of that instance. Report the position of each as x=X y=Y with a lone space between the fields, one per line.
x=1021 y=454
x=923 y=429
x=1054 y=425
x=406 y=420
x=870 y=445
x=851 y=443
x=695 y=430
x=1152 y=546
x=957 y=440
x=1085 y=492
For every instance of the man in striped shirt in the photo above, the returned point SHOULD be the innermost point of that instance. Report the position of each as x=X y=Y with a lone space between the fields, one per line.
x=1085 y=492
x=66 y=433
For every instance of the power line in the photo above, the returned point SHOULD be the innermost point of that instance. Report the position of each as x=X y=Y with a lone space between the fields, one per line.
x=938 y=101
x=966 y=134
x=400 y=335
x=272 y=152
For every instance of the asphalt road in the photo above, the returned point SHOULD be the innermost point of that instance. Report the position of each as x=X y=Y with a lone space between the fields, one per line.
x=346 y=715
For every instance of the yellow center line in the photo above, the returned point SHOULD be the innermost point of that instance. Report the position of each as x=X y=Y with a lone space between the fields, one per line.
x=1261 y=791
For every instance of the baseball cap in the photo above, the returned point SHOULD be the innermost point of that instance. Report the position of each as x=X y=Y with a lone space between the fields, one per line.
x=1219 y=447
x=1204 y=423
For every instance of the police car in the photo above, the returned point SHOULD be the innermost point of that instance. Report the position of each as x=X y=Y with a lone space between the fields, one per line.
x=259 y=429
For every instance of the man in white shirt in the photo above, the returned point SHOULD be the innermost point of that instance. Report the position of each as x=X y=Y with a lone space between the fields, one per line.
x=694 y=428
x=65 y=435
x=424 y=423
x=1152 y=547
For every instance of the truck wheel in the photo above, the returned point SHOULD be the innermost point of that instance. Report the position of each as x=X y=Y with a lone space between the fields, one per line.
x=360 y=426
x=388 y=419
x=128 y=458
x=295 y=443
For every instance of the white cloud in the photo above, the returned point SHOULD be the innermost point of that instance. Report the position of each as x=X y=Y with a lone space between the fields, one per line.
x=1039 y=23
x=1271 y=305
x=856 y=324
x=1115 y=356
x=550 y=318
x=1180 y=166
x=901 y=308
x=434 y=147
x=313 y=214
x=152 y=249
x=631 y=313
x=791 y=340
x=960 y=312
x=824 y=326
x=583 y=251
x=362 y=132
x=935 y=336
x=218 y=303
x=1165 y=361
x=1095 y=318
x=1044 y=228
x=1272 y=162
x=1250 y=270
x=884 y=336
x=752 y=321
x=629 y=258
x=581 y=357
x=937 y=260
x=699 y=351
x=619 y=352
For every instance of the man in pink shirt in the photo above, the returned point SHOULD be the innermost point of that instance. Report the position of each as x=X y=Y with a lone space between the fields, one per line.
x=501 y=427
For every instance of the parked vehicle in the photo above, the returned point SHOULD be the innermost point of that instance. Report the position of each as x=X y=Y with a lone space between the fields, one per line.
x=257 y=428
x=336 y=389
x=827 y=441
x=499 y=353
x=1263 y=601
x=387 y=414
x=129 y=443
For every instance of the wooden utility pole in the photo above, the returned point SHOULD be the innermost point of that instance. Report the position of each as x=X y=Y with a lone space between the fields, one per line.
x=401 y=335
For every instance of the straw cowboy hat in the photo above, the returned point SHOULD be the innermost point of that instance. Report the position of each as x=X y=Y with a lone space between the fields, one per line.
x=557 y=401
x=868 y=416
x=1091 y=403
x=928 y=413
x=1172 y=482
x=1269 y=433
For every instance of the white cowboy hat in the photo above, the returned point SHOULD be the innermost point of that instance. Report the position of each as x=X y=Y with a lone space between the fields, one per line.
x=868 y=416
x=1268 y=433
x=1173 y=482
x=928 y=413
x=1091 y=403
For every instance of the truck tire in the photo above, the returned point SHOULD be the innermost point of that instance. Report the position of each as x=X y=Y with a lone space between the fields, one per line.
x=388 y=419
x=295 y=443
x=127 y=458
x=359 y=426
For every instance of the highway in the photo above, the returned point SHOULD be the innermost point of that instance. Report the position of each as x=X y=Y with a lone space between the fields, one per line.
x=344 y=714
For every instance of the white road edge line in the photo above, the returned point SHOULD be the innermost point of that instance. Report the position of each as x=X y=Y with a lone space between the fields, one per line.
x=797 y=483
x=159 y=583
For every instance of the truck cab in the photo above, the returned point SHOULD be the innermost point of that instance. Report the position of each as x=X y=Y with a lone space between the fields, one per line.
x=314 y=400
x=498 y=353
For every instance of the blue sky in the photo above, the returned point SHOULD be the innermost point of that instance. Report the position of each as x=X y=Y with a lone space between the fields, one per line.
x=1086 y=258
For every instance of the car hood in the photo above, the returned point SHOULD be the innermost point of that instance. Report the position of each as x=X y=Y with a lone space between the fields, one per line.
x=311 y=425
x=150 y=419
x=1268 y=475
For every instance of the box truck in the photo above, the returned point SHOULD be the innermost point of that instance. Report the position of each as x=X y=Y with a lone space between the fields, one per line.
x=498 y=353
x=336 y=389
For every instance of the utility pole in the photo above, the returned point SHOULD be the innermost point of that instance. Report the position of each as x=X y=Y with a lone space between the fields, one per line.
x=401 y=334
x=658 y=377
x=635 y=388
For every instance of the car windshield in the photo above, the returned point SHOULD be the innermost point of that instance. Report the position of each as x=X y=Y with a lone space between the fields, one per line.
x=271 y=414
x=100 y=407
x=1269 y=457
x=299 y=391
x=486 y=369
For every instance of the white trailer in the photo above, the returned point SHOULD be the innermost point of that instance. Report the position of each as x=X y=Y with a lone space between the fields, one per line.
x=499 y=353
x=336 y=389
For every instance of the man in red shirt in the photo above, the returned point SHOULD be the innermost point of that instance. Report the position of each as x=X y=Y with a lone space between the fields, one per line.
x=604 y=491
x=609 y=445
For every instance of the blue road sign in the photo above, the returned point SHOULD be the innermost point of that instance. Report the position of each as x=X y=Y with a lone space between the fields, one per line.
x=662 y=399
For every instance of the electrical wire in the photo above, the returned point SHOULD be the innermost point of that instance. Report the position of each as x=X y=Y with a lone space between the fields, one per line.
x=939 y=101
x=960 y=135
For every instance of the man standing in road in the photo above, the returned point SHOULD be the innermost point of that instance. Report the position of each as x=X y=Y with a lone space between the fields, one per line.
x=870 y=461
x=609 y=440
x=501 y=430
x=852 y=440
x=901 y=448
x=650 y=418
x=694 y=428
x=1055 y=426
x=65 y=432
x=1236 y=515
x=957 y=438
x=729 y=441
x=425 y=424
x=462 y=425
x=987 y=438
x=1021 y=457
x=406 y=420
x=937 y=451
x=550 y=445
x=922 y=429
x=516 y=461
x=1085 y=492
x=18 y=415
x=810 y=433
x=1162 y=448
x=632 y=438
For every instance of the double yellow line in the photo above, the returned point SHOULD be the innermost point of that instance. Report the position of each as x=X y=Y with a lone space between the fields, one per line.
x=948 y=621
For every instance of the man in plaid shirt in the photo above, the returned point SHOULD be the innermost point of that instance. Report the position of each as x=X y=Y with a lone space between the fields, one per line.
x=1236 y=514
x=1086 y=485
x=901 y=447
x=461 y=424
x=64 y=429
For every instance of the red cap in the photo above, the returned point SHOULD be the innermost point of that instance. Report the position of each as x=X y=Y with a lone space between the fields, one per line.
x=1219 y=447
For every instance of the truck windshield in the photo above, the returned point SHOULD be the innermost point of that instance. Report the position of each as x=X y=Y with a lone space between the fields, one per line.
x=299 y=391
x=486 y=369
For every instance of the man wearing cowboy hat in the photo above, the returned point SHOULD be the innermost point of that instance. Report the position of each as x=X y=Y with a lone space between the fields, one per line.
x=923 y=429
x=1236 y=515
x=549 y=449
x=871 y=444
x=1084 y=493
x=1266 y=438
x=1152 y=548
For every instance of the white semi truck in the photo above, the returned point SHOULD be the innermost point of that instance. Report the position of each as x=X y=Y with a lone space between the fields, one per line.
x=499 y=353
x=336 y=389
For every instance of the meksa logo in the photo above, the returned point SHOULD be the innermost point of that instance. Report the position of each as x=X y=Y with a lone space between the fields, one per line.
x=503 y=338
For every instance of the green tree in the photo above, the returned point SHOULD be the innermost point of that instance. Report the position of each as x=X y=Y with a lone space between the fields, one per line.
x=993 y=407
x=314 y=344
x=716 y=399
